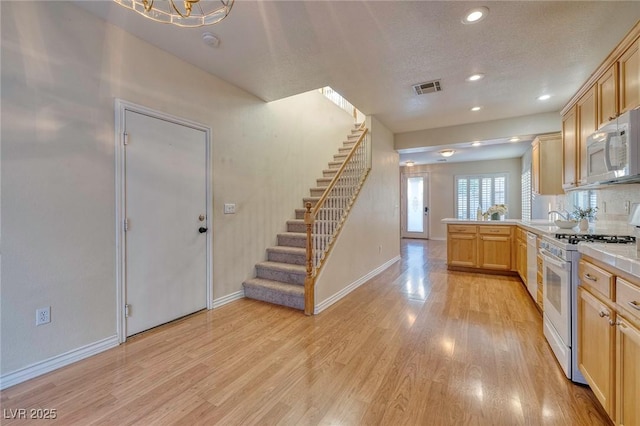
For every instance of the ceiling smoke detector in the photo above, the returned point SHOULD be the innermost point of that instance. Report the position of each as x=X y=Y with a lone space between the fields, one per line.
x=427 y=87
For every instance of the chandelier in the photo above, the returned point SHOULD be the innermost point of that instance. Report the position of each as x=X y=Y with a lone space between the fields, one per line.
x=183 y=13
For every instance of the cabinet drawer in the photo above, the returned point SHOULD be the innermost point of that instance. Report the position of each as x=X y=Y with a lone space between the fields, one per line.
x=628 y=296
x=521 y=234
x=462 y=229
x=495 y=230
x=596 y=278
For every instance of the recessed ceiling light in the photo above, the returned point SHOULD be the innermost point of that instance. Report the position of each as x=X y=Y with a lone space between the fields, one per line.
x=474 y=15
x=447 y=152
x=475 y=77
x=409 y=163
x=514 y=139
x=543 y=97
x=476 y=143
x=475 y=108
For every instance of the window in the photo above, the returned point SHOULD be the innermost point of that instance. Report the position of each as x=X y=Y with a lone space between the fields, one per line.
x=479 y=191
x=526 y=195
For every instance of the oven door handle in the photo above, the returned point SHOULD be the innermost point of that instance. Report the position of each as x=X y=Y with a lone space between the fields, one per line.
x=547 y=257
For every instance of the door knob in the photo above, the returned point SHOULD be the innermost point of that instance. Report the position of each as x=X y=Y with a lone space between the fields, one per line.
x=202 y=230
x=426 y=210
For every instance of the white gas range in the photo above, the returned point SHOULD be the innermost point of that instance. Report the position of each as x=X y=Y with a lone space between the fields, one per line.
x=560 y=287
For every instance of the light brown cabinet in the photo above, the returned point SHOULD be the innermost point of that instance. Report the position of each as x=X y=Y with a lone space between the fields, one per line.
x=462 y=245
x=494 y=247
x=607 y=88
x=484 y=247
x=521 y=254
x=546 y=165
x=587 y=118
x=612 y=89
x=596 y=338
x=629 y=70
x=569 y=158
x=609 y=338
x=627 y=372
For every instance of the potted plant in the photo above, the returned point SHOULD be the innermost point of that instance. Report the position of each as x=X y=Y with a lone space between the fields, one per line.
x=496 y=211
x=584 y=216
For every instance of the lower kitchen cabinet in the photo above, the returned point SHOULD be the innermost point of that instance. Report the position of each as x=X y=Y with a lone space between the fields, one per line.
x=494 y=247
x=462 y=246
x=596 y=338
x=628 y=373
x=609 y=339
x=482 y=247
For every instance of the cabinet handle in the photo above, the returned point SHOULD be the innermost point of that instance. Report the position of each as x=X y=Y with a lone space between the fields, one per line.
x=590 y=277
x=634 y=305
x=613 y=323
x=613 y=117
x=603 y=314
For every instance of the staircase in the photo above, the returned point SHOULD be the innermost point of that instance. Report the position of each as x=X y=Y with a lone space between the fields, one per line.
x=280 y=279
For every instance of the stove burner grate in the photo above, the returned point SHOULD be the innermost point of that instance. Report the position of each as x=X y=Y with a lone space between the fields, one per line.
x=592 y=238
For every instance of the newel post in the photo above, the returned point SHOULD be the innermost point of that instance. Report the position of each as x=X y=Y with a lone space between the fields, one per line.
x=309 y=281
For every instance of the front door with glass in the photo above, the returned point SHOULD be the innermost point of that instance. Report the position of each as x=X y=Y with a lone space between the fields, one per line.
x=415 y=206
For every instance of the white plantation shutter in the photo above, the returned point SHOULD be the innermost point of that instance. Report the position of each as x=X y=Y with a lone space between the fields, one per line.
x=526 y=195
x=479 y=190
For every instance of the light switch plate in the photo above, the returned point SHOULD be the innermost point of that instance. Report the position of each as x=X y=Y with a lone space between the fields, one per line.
x=229 y=208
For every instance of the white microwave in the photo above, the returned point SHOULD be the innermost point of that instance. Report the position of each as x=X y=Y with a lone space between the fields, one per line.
x=613 y=152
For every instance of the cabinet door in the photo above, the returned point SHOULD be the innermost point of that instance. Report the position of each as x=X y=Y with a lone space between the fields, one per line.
x=596 y=346
x=462 y=250
x=628 y=374
x=494 y=252
x=535 y=169
x=629 y=69
x=587 y=110
x=608 y=95
x=569 y=149
x=522 y=260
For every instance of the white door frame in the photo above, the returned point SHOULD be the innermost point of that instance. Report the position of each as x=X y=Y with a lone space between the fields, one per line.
x=121 y=107
x=403 y=202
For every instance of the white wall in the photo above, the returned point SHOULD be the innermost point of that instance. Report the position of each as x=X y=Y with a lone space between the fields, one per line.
x=442 y=188
x=371 y=235
x=60 y=76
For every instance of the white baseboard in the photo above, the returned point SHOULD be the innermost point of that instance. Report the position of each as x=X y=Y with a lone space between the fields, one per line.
x=58 y=361
x=227 y=299
x=348 y=289
x=438 y=238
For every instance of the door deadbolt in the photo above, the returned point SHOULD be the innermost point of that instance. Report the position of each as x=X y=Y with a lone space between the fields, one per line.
x=201 y=218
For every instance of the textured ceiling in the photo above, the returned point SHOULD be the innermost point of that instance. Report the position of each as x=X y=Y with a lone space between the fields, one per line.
x=372 y=52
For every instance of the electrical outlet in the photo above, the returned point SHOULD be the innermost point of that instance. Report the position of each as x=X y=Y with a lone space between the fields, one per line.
x=43 y=315
x=627 y=207
x=229 y=208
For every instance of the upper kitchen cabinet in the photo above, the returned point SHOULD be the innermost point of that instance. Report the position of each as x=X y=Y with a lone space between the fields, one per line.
x=612 y=89
x=607 y=88
x=629 y=71
x=586 y=111
x=569 y=158
x=546 y=164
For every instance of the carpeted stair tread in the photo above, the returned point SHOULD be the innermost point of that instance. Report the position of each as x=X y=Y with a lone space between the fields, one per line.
x=275 y=292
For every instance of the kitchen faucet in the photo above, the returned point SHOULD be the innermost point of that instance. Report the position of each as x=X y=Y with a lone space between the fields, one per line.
x=564 y=217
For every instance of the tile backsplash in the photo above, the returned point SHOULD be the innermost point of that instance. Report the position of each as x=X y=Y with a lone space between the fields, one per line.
x=613 y=201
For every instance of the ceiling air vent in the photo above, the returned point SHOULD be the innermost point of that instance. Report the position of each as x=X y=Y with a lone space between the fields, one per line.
x=427 y=87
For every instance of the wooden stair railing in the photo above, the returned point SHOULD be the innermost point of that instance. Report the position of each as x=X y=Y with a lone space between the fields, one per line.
x=324 y=220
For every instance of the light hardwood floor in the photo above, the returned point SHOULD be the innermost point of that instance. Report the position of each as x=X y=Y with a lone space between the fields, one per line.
x=417 y=345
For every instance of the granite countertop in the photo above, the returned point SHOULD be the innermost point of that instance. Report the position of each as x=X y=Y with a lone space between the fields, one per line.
x=623 y=257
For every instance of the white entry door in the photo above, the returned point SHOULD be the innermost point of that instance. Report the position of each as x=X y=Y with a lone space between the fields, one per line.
x=165 y=172
x=415 y=207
